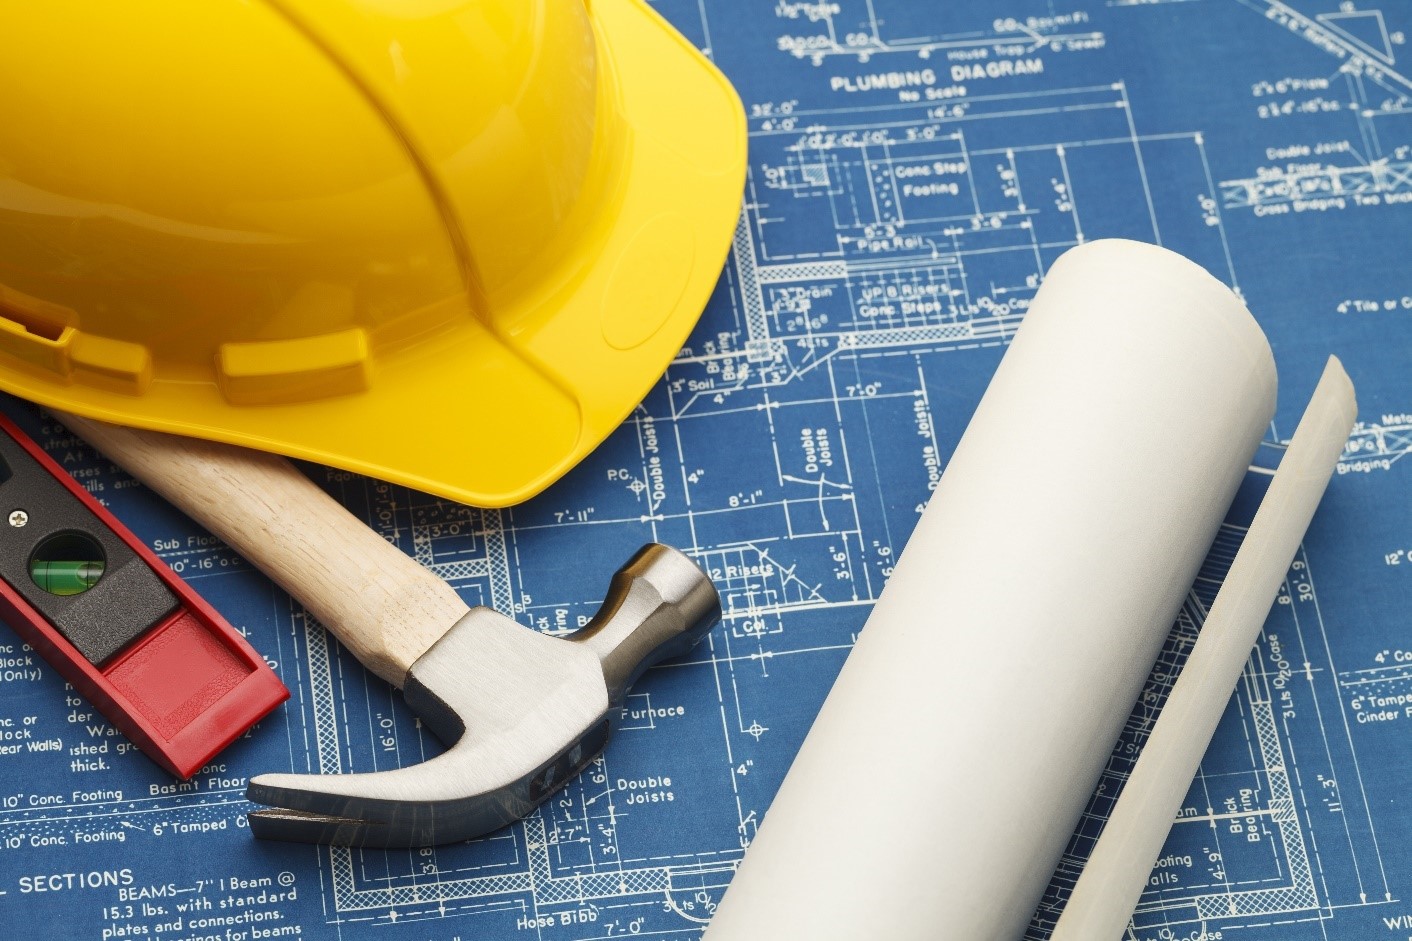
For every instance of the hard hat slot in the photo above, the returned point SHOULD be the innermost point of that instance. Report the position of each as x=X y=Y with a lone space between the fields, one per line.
x=34 y=332
x=30 y=314
x=41 y=329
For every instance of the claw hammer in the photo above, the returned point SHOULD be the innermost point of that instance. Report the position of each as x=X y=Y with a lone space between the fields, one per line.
x=522 y=712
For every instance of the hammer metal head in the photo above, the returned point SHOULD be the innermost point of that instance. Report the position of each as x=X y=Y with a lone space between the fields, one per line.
x=523 y=713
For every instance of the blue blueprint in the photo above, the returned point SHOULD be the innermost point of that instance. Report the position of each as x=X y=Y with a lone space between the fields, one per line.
x=915 y=167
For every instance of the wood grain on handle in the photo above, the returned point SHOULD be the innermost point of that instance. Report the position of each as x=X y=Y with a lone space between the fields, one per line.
x=381 y=604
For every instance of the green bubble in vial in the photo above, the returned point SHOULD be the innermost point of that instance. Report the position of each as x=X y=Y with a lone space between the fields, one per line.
x=64 y=577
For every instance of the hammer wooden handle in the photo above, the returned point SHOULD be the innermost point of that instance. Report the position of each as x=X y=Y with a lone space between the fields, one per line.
x=380 y=603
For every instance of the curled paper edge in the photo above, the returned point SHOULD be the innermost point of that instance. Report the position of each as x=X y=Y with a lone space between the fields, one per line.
x=1108 y=889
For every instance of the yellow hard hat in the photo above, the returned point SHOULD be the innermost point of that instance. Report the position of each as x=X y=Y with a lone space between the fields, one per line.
x=448 y=243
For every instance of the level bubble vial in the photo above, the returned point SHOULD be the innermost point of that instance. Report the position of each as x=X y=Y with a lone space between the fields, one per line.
x=67 y=564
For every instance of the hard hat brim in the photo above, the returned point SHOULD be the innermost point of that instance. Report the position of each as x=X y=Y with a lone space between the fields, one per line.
x=492 y=418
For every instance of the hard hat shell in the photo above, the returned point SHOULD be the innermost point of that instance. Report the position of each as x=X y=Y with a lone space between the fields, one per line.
x=448 y=243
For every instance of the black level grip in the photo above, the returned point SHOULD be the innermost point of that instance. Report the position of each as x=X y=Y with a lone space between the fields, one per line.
x=35 y=509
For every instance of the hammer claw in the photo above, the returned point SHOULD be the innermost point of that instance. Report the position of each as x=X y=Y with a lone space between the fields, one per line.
x=296 y=827
x=523 y=712
x=301 y=815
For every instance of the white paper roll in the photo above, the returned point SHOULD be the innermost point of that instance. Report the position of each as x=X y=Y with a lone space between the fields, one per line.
x=936 y=791
x=1116 y=872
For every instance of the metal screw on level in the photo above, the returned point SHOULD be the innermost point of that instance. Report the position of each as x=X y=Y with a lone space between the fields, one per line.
x=18 y=518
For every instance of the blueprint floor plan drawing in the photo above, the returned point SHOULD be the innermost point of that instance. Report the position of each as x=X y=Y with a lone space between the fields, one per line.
x=914 y=170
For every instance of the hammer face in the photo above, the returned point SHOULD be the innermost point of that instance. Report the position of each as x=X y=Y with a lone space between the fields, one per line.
x=526 y=712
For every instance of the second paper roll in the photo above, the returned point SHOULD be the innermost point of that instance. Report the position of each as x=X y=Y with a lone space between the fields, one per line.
x=936 y=791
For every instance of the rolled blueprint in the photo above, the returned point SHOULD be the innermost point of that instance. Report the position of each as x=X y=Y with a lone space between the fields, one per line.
x=953 y=758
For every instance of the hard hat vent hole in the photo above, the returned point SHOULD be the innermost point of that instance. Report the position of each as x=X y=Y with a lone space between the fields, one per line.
x=39 y=326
